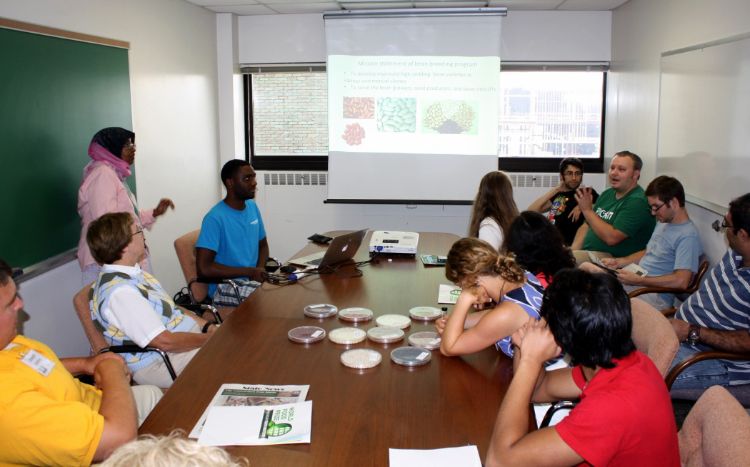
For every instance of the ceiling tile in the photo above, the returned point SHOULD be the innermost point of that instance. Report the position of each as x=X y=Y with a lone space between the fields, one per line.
x=242 y=9
x=295 y=2
x=589 y=5
x=373 y=5
x=287 y=8
x=223 y=2
x=526 y=4
x=458 y=4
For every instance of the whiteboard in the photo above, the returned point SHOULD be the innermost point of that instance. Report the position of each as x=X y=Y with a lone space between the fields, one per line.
x=704 y=120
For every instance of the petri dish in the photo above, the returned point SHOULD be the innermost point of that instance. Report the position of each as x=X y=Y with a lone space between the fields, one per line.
x=425 y=313
x=347 y=336
x=361 y=358
x=393 y=321
x=306 y=334
x=320 y=310
x=355 y=314
x=385 y=335
x=411 y=356
x=429 y=340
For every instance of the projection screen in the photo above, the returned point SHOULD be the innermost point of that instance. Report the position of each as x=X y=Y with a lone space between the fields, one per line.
x=412 y=104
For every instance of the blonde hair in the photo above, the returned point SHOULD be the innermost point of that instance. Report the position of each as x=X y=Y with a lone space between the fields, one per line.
x=494 y=200
x=168 y=451
x=471 y=257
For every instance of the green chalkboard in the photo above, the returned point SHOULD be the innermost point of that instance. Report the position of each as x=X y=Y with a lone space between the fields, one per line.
x=55 y=94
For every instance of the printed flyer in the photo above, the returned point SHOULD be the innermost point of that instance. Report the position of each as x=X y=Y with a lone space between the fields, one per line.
x=257 y=425
x=251 y=395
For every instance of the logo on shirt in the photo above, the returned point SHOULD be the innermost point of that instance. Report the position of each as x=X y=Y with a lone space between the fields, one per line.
x=606 y=215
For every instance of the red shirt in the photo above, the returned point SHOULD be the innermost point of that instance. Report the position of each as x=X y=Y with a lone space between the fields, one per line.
x=624 y=418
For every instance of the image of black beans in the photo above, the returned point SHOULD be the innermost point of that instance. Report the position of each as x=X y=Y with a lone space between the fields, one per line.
x=450 y=127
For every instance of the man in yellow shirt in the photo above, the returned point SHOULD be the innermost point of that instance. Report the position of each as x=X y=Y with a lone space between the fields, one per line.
x=47 y=417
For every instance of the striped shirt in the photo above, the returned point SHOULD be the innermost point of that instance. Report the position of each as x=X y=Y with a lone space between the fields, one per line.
x=723 y=302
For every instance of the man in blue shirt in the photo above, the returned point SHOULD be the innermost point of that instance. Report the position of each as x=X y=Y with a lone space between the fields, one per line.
x=717 y=316
x=672 y=255
x=232 y=242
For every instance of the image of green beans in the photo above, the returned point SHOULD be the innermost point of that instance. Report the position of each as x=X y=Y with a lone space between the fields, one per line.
x=398 y=115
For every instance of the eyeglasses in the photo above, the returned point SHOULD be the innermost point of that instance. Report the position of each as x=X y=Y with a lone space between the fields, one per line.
x=573 y=174
x=128 y=145
x=655 y=208
x=721 y=226
x=136 y=233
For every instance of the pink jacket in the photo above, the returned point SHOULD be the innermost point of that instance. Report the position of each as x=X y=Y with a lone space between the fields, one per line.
x=101 y=192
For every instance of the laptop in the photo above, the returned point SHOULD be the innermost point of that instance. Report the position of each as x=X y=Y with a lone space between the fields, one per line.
x=342 y=248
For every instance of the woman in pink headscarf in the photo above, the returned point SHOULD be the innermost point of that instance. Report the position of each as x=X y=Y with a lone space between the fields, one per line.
x=103 y=190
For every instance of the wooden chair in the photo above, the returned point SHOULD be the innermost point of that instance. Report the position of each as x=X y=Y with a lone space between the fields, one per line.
x=680 y=293
x=715 y=432
x=94 y=332
x=652 y=334
x=741 y=393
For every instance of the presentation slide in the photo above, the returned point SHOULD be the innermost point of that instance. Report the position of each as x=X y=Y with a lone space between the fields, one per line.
x=413 y=104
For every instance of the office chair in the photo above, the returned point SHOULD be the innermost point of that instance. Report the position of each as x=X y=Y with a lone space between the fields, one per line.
x=94 y=332
x=740 y=392
x=197 y=288
x=680 y=293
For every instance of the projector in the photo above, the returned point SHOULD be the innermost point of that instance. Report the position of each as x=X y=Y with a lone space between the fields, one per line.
x=387 y=242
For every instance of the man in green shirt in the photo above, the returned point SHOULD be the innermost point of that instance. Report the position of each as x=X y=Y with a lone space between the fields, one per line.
x=620 y=223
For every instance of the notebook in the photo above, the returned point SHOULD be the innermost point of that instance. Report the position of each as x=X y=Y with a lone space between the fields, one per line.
x=342 y=248
x=632 y=267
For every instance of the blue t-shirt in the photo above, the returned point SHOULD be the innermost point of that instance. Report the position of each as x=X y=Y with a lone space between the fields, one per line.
x=672 y=247
x=233 y=235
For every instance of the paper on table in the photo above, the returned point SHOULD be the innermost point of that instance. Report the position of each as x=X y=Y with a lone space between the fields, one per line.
x=257 y=425
x=448 y=293
x=251 y=394
x=465 y=456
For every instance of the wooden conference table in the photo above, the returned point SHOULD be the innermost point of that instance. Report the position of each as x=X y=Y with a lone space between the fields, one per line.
x=357 y=414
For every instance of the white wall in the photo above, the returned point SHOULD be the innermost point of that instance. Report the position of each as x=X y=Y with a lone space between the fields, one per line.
x=174 y=102
x=641 y=31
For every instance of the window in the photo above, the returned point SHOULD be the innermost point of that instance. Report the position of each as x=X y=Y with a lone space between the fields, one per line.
x=287 y=123
x=549 y=115
x=544 y=116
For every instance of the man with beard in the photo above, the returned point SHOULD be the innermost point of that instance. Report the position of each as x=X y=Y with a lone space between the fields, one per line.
x=620 y=223
x=232 y=243
x=560 y=203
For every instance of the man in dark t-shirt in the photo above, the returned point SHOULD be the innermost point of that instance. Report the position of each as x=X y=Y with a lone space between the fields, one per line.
x=560 y=203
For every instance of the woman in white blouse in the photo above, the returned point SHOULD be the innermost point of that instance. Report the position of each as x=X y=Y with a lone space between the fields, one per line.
x=494 y=209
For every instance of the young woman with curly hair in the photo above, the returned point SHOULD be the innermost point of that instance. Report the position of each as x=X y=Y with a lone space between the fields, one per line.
x=486 y=277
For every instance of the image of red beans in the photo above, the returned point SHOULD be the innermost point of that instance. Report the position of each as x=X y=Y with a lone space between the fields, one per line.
x=354 y=134
x=359 y=107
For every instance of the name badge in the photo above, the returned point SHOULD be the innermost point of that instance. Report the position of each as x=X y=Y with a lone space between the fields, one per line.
x=38 y=362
